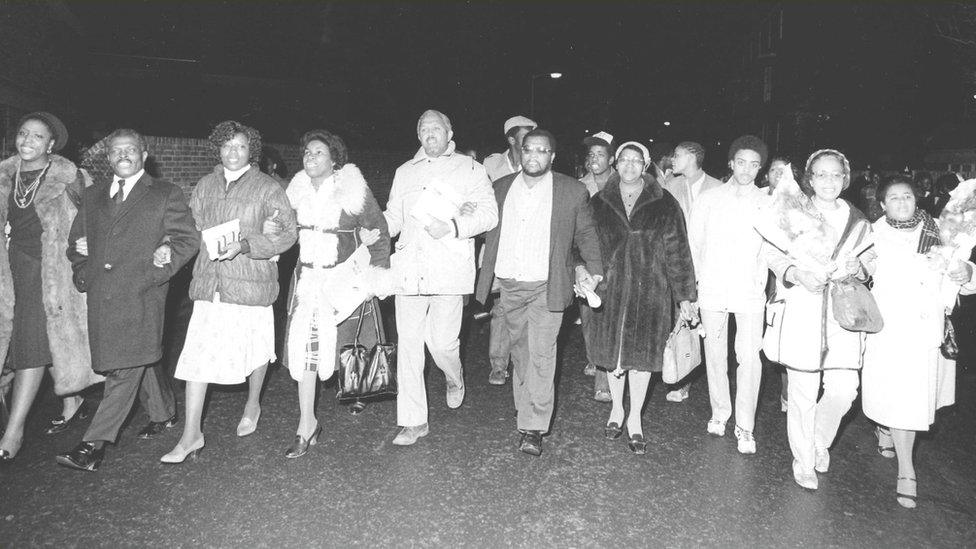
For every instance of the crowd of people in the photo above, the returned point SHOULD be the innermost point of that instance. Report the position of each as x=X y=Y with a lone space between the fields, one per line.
x=636 y=247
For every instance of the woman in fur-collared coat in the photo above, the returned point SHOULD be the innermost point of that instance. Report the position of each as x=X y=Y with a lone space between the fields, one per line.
x=649 y=274
x=336 y=211
x=43 y=318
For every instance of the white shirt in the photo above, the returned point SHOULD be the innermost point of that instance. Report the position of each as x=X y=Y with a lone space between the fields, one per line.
x=523 y=246
x=234 y=175
x=127 y=187
x=695 y=190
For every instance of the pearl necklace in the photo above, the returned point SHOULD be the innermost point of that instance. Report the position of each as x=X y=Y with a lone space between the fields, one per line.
x=24 y=196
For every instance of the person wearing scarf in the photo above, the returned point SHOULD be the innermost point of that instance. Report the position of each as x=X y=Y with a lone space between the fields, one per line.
x=905 y=378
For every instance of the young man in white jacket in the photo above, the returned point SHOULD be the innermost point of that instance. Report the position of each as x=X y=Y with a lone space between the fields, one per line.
x=731 y=271
x=438 y=202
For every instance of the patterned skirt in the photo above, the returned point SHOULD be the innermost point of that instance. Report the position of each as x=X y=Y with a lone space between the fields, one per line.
x=226 y=342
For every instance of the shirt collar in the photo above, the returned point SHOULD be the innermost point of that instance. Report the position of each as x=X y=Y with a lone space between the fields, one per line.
x=234 y=175
x=421 y=154
x=132 y=179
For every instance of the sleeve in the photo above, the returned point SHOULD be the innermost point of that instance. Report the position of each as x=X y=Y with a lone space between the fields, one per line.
x=678 y=264
x=585 y=238
x=394 y=205
x=266 y=246
x=180 y=232
x=373 y=218
x=778 y=261
x=485 y=216
x=79 y=263
x=696 y=230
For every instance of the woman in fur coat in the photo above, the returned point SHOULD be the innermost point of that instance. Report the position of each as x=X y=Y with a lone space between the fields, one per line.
x=335 y=210
x=43 y=318
x=649 y=274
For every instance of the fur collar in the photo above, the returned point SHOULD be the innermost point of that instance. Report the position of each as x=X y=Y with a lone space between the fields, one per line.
x=349 y=194
x=61 y=174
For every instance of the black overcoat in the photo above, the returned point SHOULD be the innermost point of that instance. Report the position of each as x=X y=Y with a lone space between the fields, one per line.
x=648 y=272
x=126 y=292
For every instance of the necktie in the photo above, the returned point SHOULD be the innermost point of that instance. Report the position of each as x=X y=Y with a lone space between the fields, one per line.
x=119 y=195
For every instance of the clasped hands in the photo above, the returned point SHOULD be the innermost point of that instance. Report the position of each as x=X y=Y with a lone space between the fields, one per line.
x=960 y=273
x=817 y=281
x=162 y=256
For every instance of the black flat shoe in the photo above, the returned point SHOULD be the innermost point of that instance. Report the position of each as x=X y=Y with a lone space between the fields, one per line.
x=612 y=431
x=84 y=457
x=531 y=443
x=6 y=457
x=357 y=407
x=637 y=444
x=300 y=447
x=156 y=427
x=60 y=424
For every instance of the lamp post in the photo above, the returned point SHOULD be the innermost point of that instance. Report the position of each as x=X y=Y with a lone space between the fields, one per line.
x=551 y=75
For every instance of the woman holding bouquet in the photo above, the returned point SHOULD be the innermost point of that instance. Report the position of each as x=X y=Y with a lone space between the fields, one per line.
x=333 y=203
x=906 y=379
x=815 y=348
x=230 y=338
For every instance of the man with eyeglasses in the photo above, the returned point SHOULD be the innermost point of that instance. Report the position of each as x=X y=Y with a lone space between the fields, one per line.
x=599 y=169
x=439 y=201
x=731 y=271
x=499 y=165
x=689 y=184
x=542 y=217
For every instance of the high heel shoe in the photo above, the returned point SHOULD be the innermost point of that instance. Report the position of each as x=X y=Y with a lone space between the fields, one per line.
x=61 y=424
x=300 y=447
x=637 y=444
x=885 y=451
x=6 y=457
x=908 y=501
x=612 y=431
x=179 y=454
x=247 y=426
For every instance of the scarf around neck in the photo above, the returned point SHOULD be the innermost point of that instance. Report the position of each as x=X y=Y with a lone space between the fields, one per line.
x=930 y=231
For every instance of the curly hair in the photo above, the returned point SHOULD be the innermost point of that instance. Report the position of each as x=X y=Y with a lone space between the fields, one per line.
x=805 y=185
x=693 y=148
x=337 y=147
x=750 y=143
x=226 y=130
x=892 y=180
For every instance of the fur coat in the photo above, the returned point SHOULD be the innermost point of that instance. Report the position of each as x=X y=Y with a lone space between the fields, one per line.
x=67 y=312
x=329 y=220
x=648 y=272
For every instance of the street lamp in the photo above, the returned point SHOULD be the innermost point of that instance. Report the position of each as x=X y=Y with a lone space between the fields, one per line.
x=550 y=75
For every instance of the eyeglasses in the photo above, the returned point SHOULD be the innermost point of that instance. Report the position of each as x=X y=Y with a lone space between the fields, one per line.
x=536 y=151
x=831 y=176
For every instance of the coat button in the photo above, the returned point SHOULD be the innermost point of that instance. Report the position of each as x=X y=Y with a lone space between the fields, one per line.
x=108 y=266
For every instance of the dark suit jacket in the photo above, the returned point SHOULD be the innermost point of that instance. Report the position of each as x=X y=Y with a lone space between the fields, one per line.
x=571 y=225
x=126 y=292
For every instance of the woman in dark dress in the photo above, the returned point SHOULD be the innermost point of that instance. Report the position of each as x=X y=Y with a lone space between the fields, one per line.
x=42 y=317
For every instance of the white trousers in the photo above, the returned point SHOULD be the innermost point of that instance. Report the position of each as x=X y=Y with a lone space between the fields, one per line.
x=434 y=320
x=748 y=376
x=812 y=425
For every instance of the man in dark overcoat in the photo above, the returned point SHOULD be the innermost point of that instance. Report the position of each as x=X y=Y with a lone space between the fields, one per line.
x=132 y=233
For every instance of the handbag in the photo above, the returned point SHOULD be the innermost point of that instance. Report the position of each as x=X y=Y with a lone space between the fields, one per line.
x=854 y=307
x=682 y=353
x=366 y=373
x=949 y=347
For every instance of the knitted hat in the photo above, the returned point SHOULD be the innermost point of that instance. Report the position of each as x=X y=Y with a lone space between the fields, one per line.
x=642 y=148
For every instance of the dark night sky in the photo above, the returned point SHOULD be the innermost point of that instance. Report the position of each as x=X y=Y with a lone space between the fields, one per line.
x=634 y=64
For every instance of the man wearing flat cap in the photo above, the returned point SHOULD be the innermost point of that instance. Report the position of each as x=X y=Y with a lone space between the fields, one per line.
x=499 y=165
x=439 y=201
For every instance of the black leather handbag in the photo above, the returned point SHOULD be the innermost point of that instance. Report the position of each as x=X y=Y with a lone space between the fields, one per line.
x=367 y=373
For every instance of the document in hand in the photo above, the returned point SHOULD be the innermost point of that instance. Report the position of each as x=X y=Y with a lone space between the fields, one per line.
x=439 y=201
x=217 y=238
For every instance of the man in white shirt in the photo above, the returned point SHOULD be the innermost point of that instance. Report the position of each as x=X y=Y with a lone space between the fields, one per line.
x=543 y=217
x=731 y=272
x=434 y=263
x=499 y=165
x=690 y=182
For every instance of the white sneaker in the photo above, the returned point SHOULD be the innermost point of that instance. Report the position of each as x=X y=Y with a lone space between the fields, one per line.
x=822 y=463
x=716 y=427
x=747 y=444
x=455 y=395
x=678 y=395
x=590 y=369
x=409 y=435
x=805 y=480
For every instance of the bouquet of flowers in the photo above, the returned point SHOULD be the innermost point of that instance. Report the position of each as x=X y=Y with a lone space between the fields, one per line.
x=792 y=223
x=957 y=229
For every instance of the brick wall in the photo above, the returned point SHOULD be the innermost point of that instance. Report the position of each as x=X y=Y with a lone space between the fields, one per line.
x=184 y=160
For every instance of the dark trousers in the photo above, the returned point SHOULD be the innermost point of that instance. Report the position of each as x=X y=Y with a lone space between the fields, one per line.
x=532 y=330
x=121 y=388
